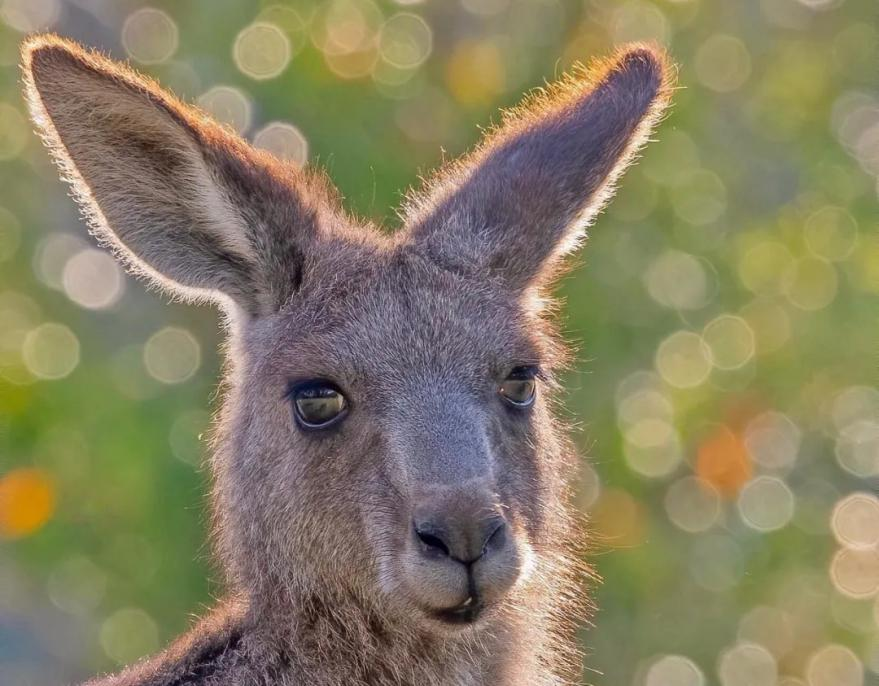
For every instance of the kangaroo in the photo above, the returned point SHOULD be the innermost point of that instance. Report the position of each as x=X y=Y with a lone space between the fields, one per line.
x=390 y=483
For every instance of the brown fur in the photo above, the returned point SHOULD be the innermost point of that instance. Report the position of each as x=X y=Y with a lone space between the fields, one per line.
x=327 y=583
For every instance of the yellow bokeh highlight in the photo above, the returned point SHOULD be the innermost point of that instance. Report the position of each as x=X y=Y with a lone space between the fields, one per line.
x=763 y=265
x=831 y=233
x=683 y=359
x=27 y=501
x=811 y=283
x=731 y=341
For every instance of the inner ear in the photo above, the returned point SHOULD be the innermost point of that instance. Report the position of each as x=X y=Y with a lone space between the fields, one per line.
x=527 y=194
x=178 y=197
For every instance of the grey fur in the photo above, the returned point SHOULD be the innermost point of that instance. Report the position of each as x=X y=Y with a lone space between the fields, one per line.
x=327 y=581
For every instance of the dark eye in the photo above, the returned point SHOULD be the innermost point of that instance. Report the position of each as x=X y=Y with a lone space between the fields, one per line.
x=519 y=387
x=317 y=404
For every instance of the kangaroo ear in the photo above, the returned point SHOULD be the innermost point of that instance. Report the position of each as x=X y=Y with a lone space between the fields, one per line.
x=527 y=194
x=179 y=198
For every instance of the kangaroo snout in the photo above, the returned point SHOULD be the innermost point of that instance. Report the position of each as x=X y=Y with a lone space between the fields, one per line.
x=462 y=554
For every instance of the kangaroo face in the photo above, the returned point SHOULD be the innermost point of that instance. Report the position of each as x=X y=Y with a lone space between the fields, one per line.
x=399 y=419
x=386 y=433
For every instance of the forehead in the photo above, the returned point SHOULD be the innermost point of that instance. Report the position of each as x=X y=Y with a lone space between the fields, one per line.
x=396 y=313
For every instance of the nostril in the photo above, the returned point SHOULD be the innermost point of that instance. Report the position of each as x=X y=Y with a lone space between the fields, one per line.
x=496 y=538
x=432 y=541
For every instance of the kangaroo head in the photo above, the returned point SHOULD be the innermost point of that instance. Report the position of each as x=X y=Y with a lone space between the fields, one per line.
x=388 y=429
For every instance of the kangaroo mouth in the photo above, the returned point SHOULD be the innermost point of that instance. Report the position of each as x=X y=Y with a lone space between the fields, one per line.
x=465 y=613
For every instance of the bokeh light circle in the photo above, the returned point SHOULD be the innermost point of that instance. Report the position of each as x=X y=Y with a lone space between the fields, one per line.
x=27 y=16
x=699 y=197
x=768 y=627
x=722 y=63
x=262 y=51
x=652 y=447
x=290 y=21
x=834 y=665
x=831 y=233
x=284 y=141
x=405 y=40
x=638 y=20
x=766 y=503
x=773 y=440
x=854 y=404
x=77 y=585
x=855 y=520
x=683 y=360
x=769 y=321
x=692 y=504
x=129 y=634
x=172 y=355
x=51 y=351
x=642 y=406
x=51 y=256
x=857 y=448
x=674 y=670
x=855 y=573
x=92 y=279
x=27 y=501
x=346 y=27
x=588 y=487
x=747 y=664
x=150 y=35
x=811 y=283
x=731 y=341
x=229 y=106
x=678 y=281
x=722 y=460
x=762 y=268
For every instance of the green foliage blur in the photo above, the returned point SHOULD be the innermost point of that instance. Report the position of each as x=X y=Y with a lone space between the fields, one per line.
x=724 y=309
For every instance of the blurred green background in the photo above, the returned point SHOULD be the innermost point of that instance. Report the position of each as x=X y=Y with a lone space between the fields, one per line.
x=725 y=312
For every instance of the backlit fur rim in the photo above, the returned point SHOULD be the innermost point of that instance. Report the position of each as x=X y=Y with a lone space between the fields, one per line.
x=572 y=87
x=310 y=185
x=80 y=190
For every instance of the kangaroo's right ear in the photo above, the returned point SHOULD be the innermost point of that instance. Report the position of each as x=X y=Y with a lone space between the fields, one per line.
x=178 y=197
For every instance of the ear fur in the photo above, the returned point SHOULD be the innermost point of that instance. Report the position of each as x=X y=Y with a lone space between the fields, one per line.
x=526 y=195
x=179 y=198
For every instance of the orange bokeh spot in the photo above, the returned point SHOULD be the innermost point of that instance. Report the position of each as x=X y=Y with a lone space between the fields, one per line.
x=723 y=462
x=27 y=501
x=618 y=520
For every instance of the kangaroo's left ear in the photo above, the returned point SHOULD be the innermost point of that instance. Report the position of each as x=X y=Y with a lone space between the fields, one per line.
x=527 y=194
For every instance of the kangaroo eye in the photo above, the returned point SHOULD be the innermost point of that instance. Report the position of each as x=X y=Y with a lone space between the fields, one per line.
x=519 y=388
x=317 y=404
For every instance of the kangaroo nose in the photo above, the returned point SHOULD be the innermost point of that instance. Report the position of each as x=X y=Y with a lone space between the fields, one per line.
x=465 y=540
